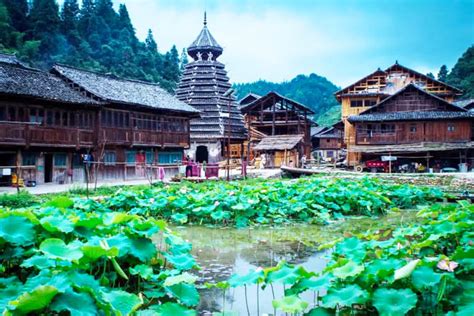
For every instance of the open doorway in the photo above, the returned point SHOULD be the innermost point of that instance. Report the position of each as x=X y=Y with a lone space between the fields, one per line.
x=48 y=168
x=202 y=154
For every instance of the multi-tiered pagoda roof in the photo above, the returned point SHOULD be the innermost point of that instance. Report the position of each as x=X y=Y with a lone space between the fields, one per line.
x=203 y=85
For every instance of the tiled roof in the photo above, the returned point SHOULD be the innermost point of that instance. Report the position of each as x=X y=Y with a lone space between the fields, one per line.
x=117 y=90
x=279 y=142
x=17 y=79
x=409 y=116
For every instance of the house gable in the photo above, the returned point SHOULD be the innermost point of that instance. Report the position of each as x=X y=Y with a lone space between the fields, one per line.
x=412 y=99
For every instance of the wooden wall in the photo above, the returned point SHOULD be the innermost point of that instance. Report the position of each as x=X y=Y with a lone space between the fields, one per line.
x=413 y=132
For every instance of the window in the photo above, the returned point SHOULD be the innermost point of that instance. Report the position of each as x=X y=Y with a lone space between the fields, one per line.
x=72 y=119
x=387 y=128
x=149 y=157
x=451 y=127
x=413 y=128
x=169 y=157
x=3 y=111
x=29 y=159
x=370 y=102
x=60 y=160
x=131 y=156
x=11 y=113
x=49 y=118
x=356 y=103
x=110 y=158
x=77 y=161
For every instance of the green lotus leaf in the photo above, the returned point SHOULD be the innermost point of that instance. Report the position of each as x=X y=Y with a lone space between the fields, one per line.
x=319 y=311
x=57 y=224
x=346 y=296
x=95 y=252
x=122 y=303
x=179 y=218
x=352 y=248
x=61 y=202
x=185 y=293
x=180 y=278
x=290 y=304
x=424 y=277
x=143 y=270
x=382 y=268
x=35 y=300
x=83 y=281
x=446 y=228
x=173 y=309
x=17 y=230
x=284 y=275
x=154 y=293
x=253 y=277
x=88 y=220
x=77 y=304
x=181 y=247
x=220 y=215
x=118 y=218
x=143 y=249
x=55 y=248
x=391 y=302
x=39 y=262
x=350 y=269
x=316 y=284
x=182 y=261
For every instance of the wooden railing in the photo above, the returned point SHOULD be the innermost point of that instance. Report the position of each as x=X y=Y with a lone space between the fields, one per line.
x=12 y=133
x=28 y=134
x=387 y=139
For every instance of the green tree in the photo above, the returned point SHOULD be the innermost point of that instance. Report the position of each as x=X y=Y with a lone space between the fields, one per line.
x=184 y=60
x=462 y=74
x=430 y=75
x=150 y=42
x=45 y=23
x=443 y=73
x=18 y=12
x=69 y=16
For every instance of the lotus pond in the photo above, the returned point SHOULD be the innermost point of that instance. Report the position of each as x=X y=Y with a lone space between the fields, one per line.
x=302 y=247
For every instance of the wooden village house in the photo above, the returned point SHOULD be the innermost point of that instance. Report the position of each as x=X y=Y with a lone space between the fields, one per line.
x=205 y=85
x=328 y=142
x=407 y=119
x=49 y=122
x=279 y=128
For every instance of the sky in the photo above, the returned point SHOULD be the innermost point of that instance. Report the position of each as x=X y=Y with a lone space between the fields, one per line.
x=342 y=40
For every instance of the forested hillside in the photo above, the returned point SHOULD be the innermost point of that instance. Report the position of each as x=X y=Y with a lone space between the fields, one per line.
x=92 y=36
x=462 y=74
x=314 y=91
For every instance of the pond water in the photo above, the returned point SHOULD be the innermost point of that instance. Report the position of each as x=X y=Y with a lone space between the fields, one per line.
x=220 y=252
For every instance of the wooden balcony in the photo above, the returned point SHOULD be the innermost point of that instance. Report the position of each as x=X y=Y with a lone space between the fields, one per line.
x=133 y=137
x=27 y=134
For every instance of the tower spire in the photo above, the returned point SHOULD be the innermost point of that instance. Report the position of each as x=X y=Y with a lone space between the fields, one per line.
x=205 y=18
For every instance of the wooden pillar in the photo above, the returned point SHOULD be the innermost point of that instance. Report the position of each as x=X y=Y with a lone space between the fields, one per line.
x=428 y=161
x=18 y=170
x=273 y=116
x=390 y=162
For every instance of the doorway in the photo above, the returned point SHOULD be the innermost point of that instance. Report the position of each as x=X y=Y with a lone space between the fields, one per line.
x=202 y=154
x=48 y=168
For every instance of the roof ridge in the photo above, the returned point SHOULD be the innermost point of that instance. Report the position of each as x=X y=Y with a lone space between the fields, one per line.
x=421 y=74
x=411 y=85
x=111 y=76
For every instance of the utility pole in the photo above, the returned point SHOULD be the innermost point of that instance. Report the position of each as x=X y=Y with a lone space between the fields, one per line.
x=228 y=94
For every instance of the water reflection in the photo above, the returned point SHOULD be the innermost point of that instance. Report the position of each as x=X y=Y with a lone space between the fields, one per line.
x=223 y=251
